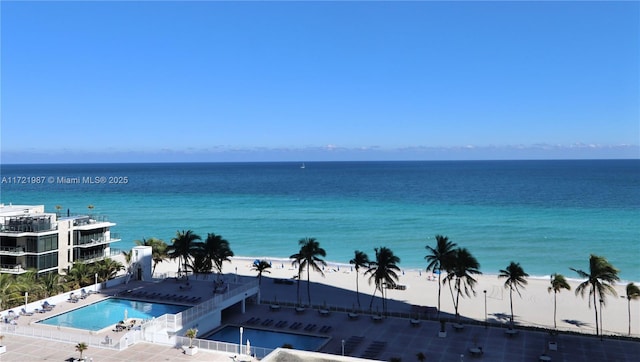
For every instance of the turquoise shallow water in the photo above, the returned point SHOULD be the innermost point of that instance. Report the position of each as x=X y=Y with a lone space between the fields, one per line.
x=547 y=215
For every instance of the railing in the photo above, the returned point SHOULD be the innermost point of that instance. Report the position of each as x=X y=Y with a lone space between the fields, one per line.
x=88 y=241
x=90 y=258
x=62 y=335
x=28 y=224
x=257 y=352
x=90 y=220
x=13 y=250
x=12 y=268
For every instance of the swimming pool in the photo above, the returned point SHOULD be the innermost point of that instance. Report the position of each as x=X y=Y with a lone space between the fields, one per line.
x=110 y=311
x=267 y=339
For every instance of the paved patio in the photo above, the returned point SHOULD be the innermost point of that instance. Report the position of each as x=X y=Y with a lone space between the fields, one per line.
x=364 y=337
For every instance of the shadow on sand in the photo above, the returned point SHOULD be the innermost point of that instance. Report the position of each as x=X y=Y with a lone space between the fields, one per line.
x=324 y=296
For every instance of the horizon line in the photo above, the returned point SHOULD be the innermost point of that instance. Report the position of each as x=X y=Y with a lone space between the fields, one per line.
x=326 y=161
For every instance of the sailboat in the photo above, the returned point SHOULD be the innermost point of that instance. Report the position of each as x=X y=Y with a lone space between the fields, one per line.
x=302 y=166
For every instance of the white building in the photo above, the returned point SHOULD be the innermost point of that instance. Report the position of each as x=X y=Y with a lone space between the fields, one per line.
x=31 y=238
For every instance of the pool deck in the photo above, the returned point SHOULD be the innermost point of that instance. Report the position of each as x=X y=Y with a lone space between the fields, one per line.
x=364 y=336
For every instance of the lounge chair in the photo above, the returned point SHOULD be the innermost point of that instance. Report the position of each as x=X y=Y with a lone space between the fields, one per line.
x=25 y=313
x=47 y=307
x=374 y=349
x=352 y=343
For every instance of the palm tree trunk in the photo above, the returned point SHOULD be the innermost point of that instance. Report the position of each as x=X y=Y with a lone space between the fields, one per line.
x=555 y=326
x=384 y=302
x=511 y=303
x=453 y=300
x=308 y=286
x=439 y=289
x=357 y=290
x=595 y=307
x=457 y=299
x=629 y=310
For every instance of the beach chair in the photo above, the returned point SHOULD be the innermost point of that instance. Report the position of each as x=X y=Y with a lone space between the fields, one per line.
x=83 y=294
x=25 y=313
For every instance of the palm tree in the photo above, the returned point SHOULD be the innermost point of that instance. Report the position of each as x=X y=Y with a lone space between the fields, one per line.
x=599 y=282
x=107 y=269
x=52 y=284
x=80 y=275
x=182 y=248
x=439 y=259
x=191 y=333
x=310 y=251
x=81 y=347
x=360 y=259
x=217 y=249
x=460 y=272
x=633 y=292
x=261 y=267
x=383 y=272
x=28 y=282
x=200 y=263
x=515 y=277
x=158 y=250
x=128 y=255
x=7 y=290
x=558 y=282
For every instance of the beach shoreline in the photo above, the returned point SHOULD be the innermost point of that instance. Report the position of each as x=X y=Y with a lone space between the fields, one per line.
x=533 y=307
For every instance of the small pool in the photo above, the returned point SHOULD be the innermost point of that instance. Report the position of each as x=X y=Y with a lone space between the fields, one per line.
x=267 y=339
x=110 y=311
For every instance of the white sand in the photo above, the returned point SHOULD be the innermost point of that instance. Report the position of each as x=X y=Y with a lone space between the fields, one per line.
x=534 y=307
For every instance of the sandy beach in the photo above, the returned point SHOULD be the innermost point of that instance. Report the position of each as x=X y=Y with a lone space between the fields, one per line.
x=533 y=308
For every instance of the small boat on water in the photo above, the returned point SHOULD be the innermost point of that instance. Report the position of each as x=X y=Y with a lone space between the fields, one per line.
x=303 y=166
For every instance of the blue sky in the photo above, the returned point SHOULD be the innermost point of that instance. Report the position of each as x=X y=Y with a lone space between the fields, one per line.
x=304 y=81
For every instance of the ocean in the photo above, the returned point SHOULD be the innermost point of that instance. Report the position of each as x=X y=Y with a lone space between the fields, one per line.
x=546 y=215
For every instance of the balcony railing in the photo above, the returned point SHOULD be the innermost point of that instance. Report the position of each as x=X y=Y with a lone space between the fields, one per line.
x=12 y=268
x=90 y=258
x=90 y=220
x=88 y=241
x=12 y=250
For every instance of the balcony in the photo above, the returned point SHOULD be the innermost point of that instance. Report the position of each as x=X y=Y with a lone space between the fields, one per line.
x=90 y=258
x=12 y=250
x=92 y=222
x=12 y=269
x=88 y=242
x=27 y=225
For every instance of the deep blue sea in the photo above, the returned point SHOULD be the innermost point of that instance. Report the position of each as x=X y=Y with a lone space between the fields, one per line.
x=547 y=215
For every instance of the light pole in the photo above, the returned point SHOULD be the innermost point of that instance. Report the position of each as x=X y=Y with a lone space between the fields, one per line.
x=240 y=345
x=485 y=309
x=343 y=347
x=95 y=286
x=26 y=297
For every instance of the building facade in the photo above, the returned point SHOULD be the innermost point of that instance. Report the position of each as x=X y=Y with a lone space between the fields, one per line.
x=31 y=238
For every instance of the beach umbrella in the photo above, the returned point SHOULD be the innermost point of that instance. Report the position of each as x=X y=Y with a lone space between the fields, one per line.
x=126 y=314
x=248 y=347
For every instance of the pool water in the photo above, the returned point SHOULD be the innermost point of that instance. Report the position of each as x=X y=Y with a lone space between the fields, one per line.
x=110 y=311
x=267 y=339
